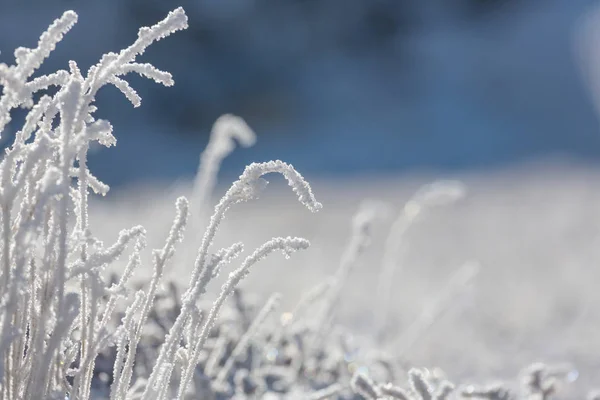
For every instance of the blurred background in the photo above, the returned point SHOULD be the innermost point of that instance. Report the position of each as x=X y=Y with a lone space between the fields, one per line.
x=337 y=87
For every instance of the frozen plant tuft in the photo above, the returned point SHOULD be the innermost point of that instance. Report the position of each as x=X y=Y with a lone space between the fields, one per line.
x=57 y=311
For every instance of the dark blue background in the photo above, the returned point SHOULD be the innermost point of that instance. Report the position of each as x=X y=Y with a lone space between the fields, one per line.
x=336 y=87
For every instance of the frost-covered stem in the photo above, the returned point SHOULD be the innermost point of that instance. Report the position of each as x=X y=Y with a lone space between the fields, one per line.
x=83 y=344
x=82 y=184
x=61 y=262
x=163 y=386
x=443 y=390
x=359 y=242
x=199 y=266
x=419 y=384
x=116 y=291
x=38 y=331
x=21 y=322
x=6 y=242
x=83 y=380
x=5 y=118
x=271 y=304
x=30 y=323
x=160 y=260
x=90 y=354
x=87 y=363
x=14 y=79
x=225 y=131
x=364 y=386
x=111 y=65
x=84 y=377
x=128 y=327
x=6 y=321
x=10 y=328
x=327 y=393
x=247 y=187
x=199 y=276
x=434 y=194
x=390 y=265
x=287 y=245
x=309 y=298
x=69 y=107
x=8 y=377
x=216 y=355
x=39 y=381
x=168 y=348
x=394 y=392
x=439 y=305
x=6 y=334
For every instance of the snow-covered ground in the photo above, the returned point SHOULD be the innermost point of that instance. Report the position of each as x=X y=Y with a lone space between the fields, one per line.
x=535 y=229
